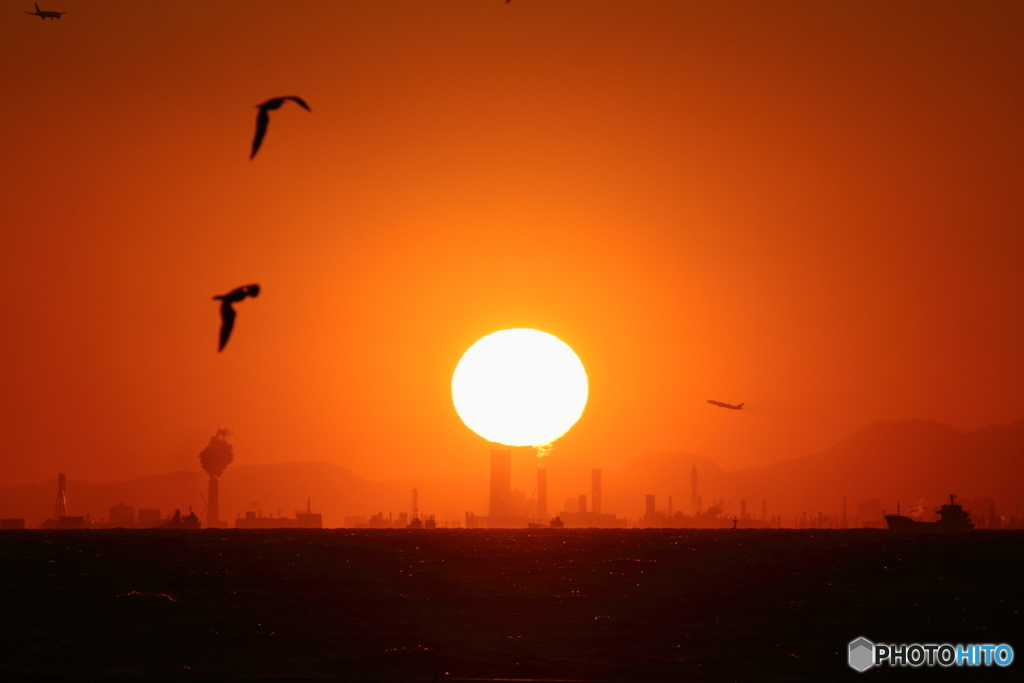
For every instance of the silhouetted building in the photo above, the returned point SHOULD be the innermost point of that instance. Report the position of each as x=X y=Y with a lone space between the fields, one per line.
x=12 y=524
x=215 y=458
x=501 y=485
x=595 y=490
x=69 y=522
x=122 y=516
x=378 y=521
x=542 y=493
x=302 y=520
x=588 y=520
x=309 y=519
x=649 y=509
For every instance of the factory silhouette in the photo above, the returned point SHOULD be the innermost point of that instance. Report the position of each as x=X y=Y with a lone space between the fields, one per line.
x=644 y=492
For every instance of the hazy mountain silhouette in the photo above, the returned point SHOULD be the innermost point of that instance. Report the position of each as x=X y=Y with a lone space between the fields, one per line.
x=905 y=460
x=909 y=460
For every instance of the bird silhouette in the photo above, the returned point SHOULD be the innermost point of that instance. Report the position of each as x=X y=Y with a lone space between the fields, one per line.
x=227 y=313
x=263 y=118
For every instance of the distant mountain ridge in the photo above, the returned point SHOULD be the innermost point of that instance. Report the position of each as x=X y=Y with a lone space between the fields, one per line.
x=904 y=460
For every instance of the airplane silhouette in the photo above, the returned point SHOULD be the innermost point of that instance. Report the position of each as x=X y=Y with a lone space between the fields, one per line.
x=263 y=118
x=726 y=405
x=43 y=14
x=227 y=313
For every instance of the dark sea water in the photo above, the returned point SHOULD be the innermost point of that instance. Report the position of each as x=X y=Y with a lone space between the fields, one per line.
x=597 y=605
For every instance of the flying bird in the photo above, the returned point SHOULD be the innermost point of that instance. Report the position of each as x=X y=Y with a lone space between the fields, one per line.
x=227 y=313
x=726 y=405
x=263 y=118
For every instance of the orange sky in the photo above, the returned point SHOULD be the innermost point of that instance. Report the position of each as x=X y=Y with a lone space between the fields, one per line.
x=814 y=208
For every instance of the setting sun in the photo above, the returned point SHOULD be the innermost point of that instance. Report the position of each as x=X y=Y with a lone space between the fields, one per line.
x=520 y=387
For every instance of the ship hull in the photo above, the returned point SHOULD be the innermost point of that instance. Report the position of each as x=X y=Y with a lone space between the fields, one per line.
x=902 y=523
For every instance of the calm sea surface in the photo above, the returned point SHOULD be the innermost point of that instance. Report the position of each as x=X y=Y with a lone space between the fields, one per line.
x=598 y=605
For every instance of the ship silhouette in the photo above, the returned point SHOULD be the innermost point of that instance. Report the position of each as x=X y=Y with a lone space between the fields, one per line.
x=179 y=521
x=951 y=518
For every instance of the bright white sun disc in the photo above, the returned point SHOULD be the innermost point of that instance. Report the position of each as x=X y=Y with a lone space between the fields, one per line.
x=520 y=387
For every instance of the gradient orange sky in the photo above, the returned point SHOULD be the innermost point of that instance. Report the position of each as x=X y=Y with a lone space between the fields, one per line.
x=813 y=208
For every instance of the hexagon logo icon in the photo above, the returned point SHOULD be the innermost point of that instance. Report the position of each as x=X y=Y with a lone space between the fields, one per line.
x=862 y=654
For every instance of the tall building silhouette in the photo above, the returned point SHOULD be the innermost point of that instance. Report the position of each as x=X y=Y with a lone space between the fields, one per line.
x=649 y=509
x=215 y=458
x=501 y=485
x=595 y=490
x=542 y=493
x=694 y=499
x=583 y=502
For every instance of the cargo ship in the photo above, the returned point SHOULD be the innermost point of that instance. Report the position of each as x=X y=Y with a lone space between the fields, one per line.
x=951 y=518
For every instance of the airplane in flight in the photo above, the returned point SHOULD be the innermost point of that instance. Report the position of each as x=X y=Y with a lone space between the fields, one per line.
x=726 y=405
x=43 y=14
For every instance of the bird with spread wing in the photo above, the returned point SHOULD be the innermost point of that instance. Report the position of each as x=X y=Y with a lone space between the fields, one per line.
x=227 y=312
x=263 y=118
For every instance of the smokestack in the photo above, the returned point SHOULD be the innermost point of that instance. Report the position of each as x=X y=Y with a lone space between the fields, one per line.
x=595 y=489
x=542 y=493
x=501 y=484
x=215 y=458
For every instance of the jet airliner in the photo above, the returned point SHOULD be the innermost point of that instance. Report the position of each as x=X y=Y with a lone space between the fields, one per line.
x=44 y=14
x=726 y=405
